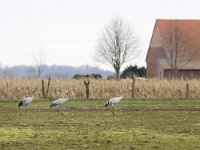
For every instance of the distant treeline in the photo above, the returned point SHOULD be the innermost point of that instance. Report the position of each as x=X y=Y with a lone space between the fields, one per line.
x=54 y=71
x=68 y=72
x=133 y=70
x=127 y=73
x=94 y=76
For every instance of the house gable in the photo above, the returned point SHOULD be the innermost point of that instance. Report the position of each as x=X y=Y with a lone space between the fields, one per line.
x=156 y=58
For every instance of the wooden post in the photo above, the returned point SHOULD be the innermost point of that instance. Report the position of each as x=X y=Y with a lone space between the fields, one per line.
x=48 y=84
x=43 y=89
x=187 y=91
x=87 y=83
x=45 y=93
x=133 y=87
x=7 y=91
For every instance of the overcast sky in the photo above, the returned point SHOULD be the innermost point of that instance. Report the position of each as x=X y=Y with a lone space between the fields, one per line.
x=67 y=30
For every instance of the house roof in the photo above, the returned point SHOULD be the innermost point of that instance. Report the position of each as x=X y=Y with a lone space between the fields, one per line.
x=190 y=30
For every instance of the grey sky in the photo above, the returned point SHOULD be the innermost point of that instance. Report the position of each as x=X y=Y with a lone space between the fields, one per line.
x=67 y=30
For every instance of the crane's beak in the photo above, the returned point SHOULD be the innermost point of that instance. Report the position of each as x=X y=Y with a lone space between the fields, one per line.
x=67 y=93
x=35 y=89
x=122 y=91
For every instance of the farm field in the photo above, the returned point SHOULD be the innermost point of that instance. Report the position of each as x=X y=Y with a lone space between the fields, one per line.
x=87 y=124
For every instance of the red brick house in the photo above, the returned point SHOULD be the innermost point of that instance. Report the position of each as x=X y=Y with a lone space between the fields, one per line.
x=159 y=57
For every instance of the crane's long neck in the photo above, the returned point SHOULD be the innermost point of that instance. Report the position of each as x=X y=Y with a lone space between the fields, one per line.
x=120 y=98
x=121 y=95
x=65 y=96
x=33 y=95
x=66 y=99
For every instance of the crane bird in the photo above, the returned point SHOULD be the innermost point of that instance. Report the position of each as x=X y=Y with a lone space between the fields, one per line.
x=26 y=101
x=58 y=102
x=113 y=101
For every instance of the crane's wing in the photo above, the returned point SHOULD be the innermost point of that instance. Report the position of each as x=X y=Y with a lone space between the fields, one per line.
x=107 y=103
x=58 y=102
x=25 y=101
x=21 y=103
x=114 y=100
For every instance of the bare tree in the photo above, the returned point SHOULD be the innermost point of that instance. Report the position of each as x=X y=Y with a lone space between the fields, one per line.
x=31 y=71
x=38 y=67
x=117 y=45
x=176 y=43
x=40 y=62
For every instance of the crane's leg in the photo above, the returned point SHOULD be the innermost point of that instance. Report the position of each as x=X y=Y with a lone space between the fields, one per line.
x=111 y=110
x=26 y=109
x=20 y=112
x=57 y=109
x=62 y=114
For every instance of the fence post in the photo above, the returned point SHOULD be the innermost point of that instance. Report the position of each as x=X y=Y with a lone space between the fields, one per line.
x=87 y=83
x=133 y=87
x=48 y=84
x=43 y=89
x=45 y=93
x=187 y=91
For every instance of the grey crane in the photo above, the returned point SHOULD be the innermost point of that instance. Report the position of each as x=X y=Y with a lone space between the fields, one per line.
x=113 y=101
x=58 y=102
x=26 y=101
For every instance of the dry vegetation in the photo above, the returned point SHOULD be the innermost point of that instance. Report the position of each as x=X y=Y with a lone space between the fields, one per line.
x=100 y=89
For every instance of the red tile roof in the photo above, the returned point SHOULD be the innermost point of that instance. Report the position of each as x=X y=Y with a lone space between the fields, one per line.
x=191 y=30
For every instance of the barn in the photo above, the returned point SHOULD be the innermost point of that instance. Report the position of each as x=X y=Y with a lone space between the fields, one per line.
x=174 y=49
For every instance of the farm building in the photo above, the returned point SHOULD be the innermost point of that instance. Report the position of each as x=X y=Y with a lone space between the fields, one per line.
x=174 y=49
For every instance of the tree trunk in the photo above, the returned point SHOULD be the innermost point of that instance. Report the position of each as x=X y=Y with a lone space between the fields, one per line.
x=173 y=73
x=117 y=73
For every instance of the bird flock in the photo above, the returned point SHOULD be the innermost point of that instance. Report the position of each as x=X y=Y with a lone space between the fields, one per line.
x=58 y=102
